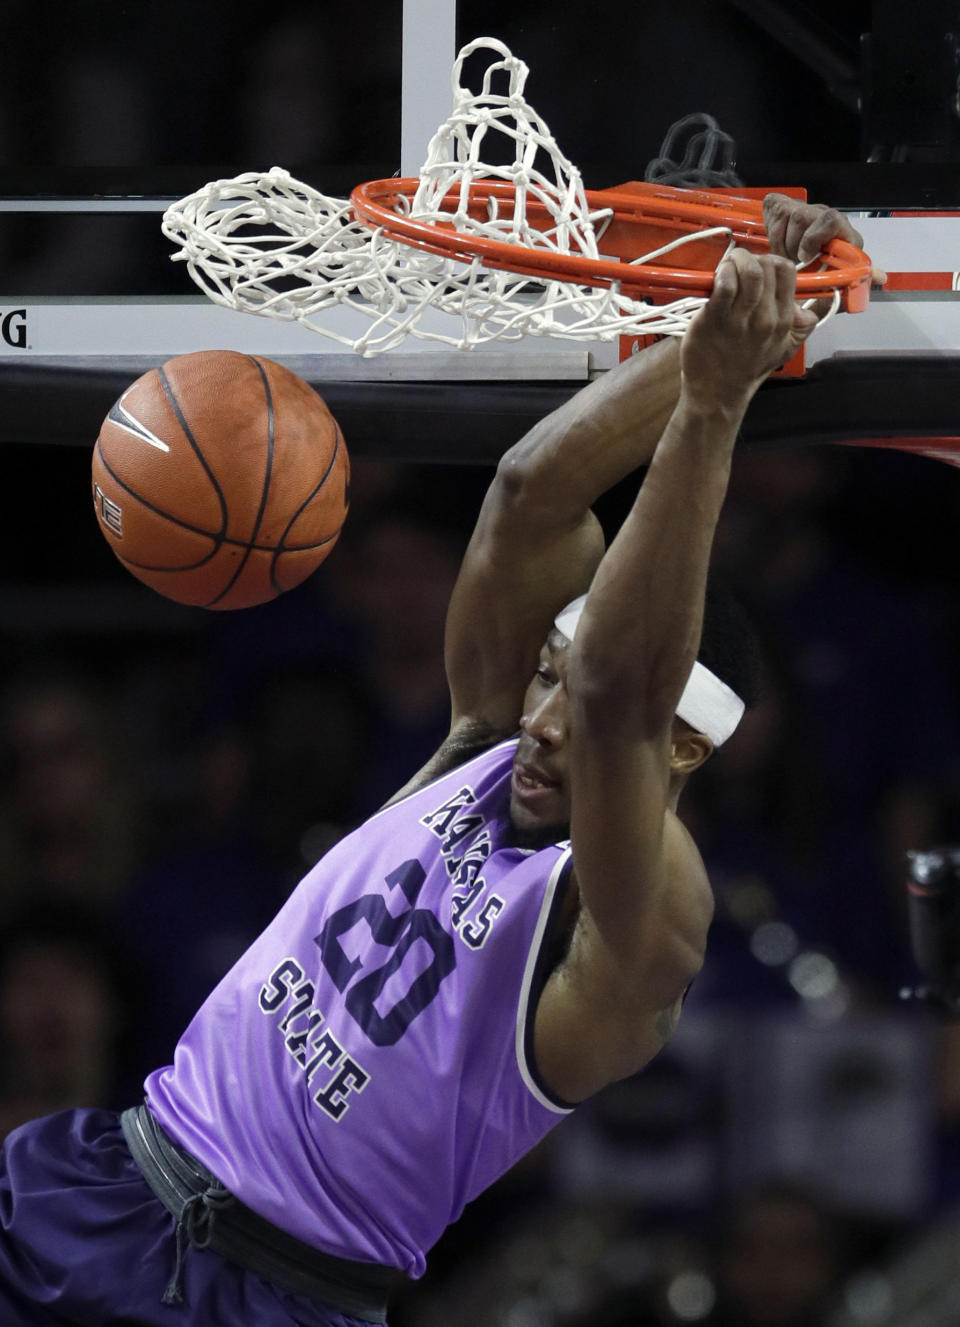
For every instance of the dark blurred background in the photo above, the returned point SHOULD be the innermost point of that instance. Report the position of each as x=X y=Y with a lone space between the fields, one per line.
x=168 y=774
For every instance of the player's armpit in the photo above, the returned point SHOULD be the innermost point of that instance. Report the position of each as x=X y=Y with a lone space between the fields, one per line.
x=667 y=1019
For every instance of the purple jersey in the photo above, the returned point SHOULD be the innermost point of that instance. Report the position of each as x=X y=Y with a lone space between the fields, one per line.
x=364 y=1070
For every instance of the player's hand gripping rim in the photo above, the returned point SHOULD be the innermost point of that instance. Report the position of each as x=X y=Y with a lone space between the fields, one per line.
x=750 y=325
x=800 y=231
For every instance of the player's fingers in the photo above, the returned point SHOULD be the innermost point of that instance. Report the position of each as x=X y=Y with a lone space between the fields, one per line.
x=751 y=279
x=826 y=225
x=852 y=234
x=821 y=307
x=784 y=282
x=785 y=220
x=800 y=230
x=768 y=294
x=798 y=227
x=804 y=321
x=726 y=283
x=775 y=217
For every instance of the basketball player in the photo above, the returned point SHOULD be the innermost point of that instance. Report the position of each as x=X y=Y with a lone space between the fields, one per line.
x=514 y=930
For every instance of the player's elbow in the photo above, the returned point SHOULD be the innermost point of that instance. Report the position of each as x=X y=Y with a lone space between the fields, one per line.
x=533 y=485
x=663 y=979
x=689 y=953
x=674 y=953
x=521 y=482
x=651 y=969
x=649 y=1013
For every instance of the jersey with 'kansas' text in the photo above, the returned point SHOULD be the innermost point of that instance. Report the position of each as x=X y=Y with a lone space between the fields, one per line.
x=364 y=1070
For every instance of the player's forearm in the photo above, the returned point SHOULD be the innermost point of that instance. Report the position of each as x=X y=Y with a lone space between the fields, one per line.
x=641 y=627
x=612 y=426
x=609 y=429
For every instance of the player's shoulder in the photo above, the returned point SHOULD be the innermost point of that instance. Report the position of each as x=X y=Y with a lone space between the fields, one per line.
x=467 y=739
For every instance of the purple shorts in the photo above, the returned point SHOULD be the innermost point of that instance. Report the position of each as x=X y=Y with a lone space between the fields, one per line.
x=83 y=1240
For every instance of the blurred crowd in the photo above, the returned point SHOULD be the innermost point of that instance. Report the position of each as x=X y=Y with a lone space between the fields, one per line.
x=162 y=792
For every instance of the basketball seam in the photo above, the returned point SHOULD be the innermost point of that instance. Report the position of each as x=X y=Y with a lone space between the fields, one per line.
x=234 y=543
x=271 y=430
x=218 y=539
x=281 y=545
x=182 y=420
x=248 y=548
x=159 y=511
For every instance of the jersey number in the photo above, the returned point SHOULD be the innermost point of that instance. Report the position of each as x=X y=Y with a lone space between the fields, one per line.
x=402 y=932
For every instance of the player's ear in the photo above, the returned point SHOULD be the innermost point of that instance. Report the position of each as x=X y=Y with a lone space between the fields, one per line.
x=688 y=751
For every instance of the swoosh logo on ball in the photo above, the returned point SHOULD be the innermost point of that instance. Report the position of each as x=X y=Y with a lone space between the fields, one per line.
x=123 y=419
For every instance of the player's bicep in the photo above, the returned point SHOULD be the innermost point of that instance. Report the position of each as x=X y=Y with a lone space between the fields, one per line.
x=519 y=569
x=585 y=1039
x=645 y=906
x=619 y=789
x=592 y=1026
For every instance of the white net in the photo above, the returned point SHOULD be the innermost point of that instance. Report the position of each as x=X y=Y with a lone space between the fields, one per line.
x=271 y=245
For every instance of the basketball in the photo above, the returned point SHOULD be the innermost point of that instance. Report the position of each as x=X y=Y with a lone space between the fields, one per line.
x=220 y=479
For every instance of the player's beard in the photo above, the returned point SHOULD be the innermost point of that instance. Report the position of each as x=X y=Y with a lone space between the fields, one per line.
x=543 y=836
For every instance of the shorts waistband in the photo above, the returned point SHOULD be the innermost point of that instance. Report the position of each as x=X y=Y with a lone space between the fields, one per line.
x=210 y=1217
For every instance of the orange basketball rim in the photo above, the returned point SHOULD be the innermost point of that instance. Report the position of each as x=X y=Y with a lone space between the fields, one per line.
x=645 y=217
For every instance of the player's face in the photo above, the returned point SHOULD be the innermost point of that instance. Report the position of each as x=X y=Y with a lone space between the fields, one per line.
x=540 y=786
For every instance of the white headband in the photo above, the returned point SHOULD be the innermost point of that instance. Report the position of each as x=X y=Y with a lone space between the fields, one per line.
x=707 y=704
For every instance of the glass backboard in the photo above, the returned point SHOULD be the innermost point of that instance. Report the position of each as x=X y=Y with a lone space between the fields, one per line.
x=110 y=111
